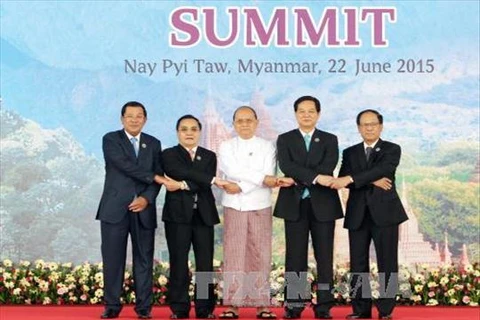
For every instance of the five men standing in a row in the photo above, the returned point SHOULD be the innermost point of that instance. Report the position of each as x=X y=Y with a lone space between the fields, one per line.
x=308 y=202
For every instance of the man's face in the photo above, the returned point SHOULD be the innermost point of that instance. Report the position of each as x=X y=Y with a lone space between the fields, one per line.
x=245 y=123
x=307 y=115
x=188 y=133
x=369 y=127
x=133 y=120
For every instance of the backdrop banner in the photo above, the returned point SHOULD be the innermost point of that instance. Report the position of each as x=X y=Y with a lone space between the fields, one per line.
x=67 y=67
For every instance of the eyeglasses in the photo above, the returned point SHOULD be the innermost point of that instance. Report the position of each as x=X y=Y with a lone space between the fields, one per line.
x=130 y=117
x=370 y=125
x=244 y=121
x=186 y=129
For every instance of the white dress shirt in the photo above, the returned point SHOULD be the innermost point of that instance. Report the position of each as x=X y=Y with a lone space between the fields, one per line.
x=247 y=162
x=365 y=145
x=129 y=136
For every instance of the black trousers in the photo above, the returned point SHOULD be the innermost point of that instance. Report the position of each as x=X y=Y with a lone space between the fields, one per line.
x=114 y=251
x=385 y=240
x=180 y=237
x=296 y=260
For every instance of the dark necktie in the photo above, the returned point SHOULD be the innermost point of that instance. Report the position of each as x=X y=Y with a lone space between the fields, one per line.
x=368 y=152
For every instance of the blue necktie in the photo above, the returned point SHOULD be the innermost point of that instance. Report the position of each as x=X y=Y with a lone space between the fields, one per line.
x=135 y=145
x=306 y=137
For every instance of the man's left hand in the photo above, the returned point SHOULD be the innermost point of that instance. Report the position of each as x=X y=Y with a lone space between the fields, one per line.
x=232 y=188
x=138 y=204
x=339 y=183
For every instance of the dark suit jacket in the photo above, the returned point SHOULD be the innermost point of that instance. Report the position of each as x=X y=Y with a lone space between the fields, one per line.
x=303 y=167
x=198 y=174
x=127 y=176
x=385 y=206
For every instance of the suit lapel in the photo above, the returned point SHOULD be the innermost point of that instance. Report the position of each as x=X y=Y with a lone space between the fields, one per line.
x=316 y=146
x=300 y=143
x=128 y=144
x=184 y=154
x=375 y=152
x=142 y=146
x=198 y=157
x=360 y=154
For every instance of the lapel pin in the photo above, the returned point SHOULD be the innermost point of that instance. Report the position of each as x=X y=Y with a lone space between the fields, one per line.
x=377 y=149
x=199 y=158
x=144 y=145
x=316 y=140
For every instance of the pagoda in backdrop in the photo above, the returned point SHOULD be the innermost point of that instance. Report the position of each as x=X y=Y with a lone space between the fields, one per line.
x=412 y=248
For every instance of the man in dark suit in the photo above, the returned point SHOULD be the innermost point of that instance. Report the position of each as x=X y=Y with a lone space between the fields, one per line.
x=189 y=214
x=308 y=157
x=127 y=206
x=374 y=211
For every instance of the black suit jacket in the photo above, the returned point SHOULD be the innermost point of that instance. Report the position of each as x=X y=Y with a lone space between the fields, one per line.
x=303 y=167
x=127 y=176
x=198 y=174
x=385 y=206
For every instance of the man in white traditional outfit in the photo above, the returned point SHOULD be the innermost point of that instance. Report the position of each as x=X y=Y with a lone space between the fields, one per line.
x=249 y=163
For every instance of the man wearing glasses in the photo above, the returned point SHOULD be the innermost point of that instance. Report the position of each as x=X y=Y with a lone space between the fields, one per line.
x=374 y=212
x=249 y=163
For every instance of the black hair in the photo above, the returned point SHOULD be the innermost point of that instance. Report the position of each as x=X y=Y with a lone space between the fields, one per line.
x=307 y=98
x=188 y=116
x=379 y=116
x=133 y=104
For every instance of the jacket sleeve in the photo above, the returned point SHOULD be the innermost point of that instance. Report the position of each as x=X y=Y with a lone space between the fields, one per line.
x=152 y=190
x=300 y=174
x=385 y=167
x=194 y=177
x=330 y=161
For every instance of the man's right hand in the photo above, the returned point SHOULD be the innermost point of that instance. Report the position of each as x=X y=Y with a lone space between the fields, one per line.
x=232 y=188
x=324 y=180
x=169 y=183
x=285 y=182
x=383 y=183
x=220 y=182
x=270 y=181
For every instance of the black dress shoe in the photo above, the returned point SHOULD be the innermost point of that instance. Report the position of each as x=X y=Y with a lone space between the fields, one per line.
x=359 y=316
x=323 y=315
x=206 y=316
x=179 y=316
x=144 y=315
x=109 y=314
x=289 y=314
x=385 y=316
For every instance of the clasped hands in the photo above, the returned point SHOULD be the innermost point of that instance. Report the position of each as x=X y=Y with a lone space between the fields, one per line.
x=269 y=181
x=341 y=182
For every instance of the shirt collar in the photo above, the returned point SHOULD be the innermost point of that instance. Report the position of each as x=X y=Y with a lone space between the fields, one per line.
x=365 y=145
x=246 y=140
x=130 y=136
x=305 y=133
x=188 y=150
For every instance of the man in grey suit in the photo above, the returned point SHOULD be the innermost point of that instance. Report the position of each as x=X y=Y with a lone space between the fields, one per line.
x=127 y=206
